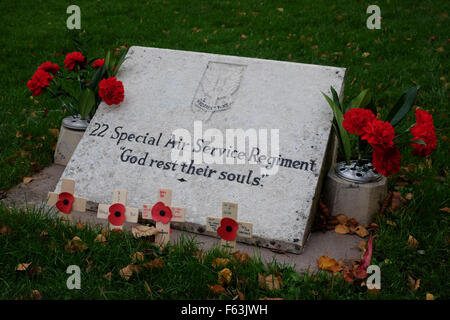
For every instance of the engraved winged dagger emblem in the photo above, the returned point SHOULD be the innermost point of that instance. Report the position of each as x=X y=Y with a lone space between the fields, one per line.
x=219 y=84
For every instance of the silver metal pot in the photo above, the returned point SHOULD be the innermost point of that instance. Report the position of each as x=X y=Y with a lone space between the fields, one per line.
x=357 y=172
x=76 y=123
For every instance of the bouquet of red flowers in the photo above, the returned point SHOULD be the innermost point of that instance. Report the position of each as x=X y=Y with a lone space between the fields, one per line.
x=96 y=82
x=377 y=140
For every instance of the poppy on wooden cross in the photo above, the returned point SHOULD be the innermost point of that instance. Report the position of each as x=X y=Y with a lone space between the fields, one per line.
x=65 y=201
x=163 y=214
x=228 y=227
x=117 y=212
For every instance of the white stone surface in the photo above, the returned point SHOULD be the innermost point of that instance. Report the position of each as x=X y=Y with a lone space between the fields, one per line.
x=164 y=91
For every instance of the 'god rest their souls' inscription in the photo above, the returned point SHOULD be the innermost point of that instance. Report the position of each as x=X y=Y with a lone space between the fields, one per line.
x=131 y=146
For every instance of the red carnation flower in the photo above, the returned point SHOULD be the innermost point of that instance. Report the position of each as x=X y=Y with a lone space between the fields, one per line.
x=49 y=67
x=117 y=214
x=111 y=91
x=425 y=131
x=379 y=134
x=73 y=59
x=228 y=229
x=65 y=202
x=98 y=63
x=39 y=81
x=161 y=212
x=356 y=120
x=386 y=161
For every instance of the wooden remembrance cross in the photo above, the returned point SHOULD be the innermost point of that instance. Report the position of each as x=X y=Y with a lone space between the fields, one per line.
x=163 y=213
x=65 y=201
x=117 y=213
x=229 y=227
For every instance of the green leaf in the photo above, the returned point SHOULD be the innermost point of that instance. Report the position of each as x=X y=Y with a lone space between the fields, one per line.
x=341 y=132
x=419 y=141
x=86 y=102
x=98 y=76
x=119 y=63
x=362 y=100
x=402 y=106
x=336 y=99
x=107 y=64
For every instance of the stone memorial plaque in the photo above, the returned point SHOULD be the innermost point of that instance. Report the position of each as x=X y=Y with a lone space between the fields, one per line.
x=198 y=105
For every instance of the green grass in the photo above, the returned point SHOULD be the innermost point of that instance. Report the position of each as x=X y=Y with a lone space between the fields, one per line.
x=411 y=48
x=183 y=276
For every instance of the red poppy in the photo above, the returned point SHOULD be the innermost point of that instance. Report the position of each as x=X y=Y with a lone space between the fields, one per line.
x=64 y=204
x=161 y=212
x=228 y=229
x=73 y=59
x=111 y=91
x=98 y=63
x=116 y=214
x=356 y=120
x=49 y=67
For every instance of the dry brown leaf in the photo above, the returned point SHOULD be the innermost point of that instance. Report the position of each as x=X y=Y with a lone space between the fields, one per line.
x=412 y=242
x=362 y=245
x=89 y=265
x=27 y=180
x=409 y=196
x=35 y=271
x=80 y=225
x=54 y=132
x=224 y=276
x=270 y=282
x=43 y=235
x=328 y=264
x=397 y=200
x=127 y=272
x=445 y=209
x=352 y=222
x=200 y=255
x=220 y=262
x=361 y=231
x=413 y=284
x=5 y=230
x=391 y=223
x=108 y=276
x=22 y=266
x=100 y=238
x=341 y=218
x=35 y=295
x=75 y=245
x=137 y=257
x=341 y=229
x=153 y=264
x=147 y=287
x=429 y=296
x=216 y=289
x=143 y=231
x=241 y=257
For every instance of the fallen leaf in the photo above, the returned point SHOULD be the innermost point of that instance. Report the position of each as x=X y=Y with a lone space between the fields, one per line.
x=429 y=296
x=154 y=264
x=365 y=54
x=75 y=245
x=445 y=210
x=413 y=284
x=396 y=201
x=220 y=262
x=216 y=289
x=409 y=196
x=224 y=276
x=147 y=287
x=391 y=223
x=35 y=295
x=341 y=229
x=80 y=225
x=412 y=242
x=89 y=265
x=35 y=271
x=280 y=9
x=137 y=257
x=352 y=222
x=361 y=231
x=362 y=245
x=127 y=272
x=328 y=264
x=54 y=132
x=143 y=231
x=108 y=276
x=27 y=180
x=241 y=257
x=5 y=230
x=270 y=282
x=22 y=266
x=342 y=219
x=100 y=238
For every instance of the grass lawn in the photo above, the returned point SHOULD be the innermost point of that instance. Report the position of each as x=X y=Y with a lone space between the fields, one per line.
x=411 y=48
